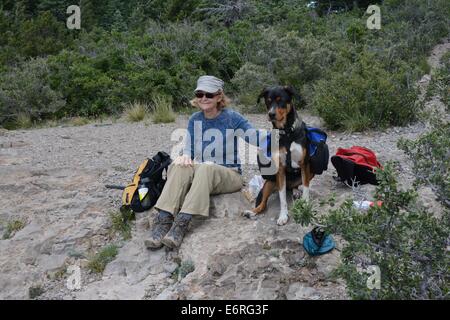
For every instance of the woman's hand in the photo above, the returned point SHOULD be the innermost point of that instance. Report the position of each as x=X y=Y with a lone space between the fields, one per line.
x=183 y=160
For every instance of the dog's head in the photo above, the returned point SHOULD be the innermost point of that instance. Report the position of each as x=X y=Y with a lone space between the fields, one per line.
x=279 y=103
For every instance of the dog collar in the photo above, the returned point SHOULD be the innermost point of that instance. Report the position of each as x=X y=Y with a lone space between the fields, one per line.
x=293 y=133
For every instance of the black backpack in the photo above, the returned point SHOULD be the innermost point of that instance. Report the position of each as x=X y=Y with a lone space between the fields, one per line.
x=148 y=183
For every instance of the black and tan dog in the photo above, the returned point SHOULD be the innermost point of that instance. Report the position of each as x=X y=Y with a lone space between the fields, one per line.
x=291 y=159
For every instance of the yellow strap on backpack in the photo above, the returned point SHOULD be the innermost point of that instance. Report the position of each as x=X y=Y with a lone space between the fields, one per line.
x=130 y=189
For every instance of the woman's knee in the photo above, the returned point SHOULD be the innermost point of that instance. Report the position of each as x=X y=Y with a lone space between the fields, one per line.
x=204 y=169
x=183 y=172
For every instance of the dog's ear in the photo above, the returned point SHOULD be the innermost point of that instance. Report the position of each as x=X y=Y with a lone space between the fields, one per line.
x=293 y=93
x=262 y=94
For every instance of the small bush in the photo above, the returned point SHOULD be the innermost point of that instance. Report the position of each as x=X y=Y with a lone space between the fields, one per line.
x=87 y=88
x=98 y=262
x=430 y=155
x=162 y=111
x=12 y=227
x=121 y=222
x=249 y=81
x=303 y=212
x=185 y=268
x=136 y=111
x=365 y=96
x=25 y=90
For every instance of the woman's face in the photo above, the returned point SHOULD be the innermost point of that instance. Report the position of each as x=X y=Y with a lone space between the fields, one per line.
x=207 y=101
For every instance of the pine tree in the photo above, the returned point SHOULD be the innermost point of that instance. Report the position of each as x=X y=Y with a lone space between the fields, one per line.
x=137 y=18
x=88 y=16
x=110 y=13
x=118 y=22
x=56 y=7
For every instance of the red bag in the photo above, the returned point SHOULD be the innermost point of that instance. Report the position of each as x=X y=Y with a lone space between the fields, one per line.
x=356 y=164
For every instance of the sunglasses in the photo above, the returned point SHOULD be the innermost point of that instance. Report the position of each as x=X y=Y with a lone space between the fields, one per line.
x=200 y=94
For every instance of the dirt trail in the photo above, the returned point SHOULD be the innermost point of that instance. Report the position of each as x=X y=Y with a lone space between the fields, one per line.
x=53 y=179
x=434 y=105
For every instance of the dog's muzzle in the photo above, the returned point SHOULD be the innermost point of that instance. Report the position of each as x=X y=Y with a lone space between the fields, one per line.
x=272 y=114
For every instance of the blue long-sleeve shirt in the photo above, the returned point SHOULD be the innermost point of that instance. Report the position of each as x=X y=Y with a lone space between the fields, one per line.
x=216 y=140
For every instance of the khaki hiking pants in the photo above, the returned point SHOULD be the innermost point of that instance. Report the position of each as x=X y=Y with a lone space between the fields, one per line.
x=187 y=189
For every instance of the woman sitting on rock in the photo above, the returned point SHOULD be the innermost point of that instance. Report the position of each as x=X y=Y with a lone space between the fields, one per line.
x=201 y=170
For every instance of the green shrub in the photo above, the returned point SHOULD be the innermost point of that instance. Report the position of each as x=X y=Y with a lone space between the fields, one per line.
x=22 y=37
x=430 y=156
x=412 y=28
x=356 y=31
x=184 y=269
x=293 y=60
x=249 y=81
x=365 y=96
x=121 y=222
x=162 y=111
x=98 y=262
x=25 y=90
x=88 y=90
x=41 y=36
x=303 y=212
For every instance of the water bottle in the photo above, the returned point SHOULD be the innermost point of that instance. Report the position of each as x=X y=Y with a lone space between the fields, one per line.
x=365 y=204
x=144 y=196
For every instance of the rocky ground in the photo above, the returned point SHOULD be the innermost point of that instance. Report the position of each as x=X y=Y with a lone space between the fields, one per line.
x=53 y=180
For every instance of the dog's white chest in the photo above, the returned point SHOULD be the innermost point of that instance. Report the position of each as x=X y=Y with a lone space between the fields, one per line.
x=296 y=154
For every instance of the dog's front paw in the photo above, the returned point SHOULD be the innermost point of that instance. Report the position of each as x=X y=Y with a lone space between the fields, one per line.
x=282 y=219
x=249 y=214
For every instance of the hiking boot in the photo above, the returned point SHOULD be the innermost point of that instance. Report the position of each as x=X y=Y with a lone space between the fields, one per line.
x=161 y=226
x=176 y=234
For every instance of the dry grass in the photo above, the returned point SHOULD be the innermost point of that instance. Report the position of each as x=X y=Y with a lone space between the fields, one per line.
x=24 y=121
x=162 y=111
x=136 y=111
x=12 y=227
x=78 y=121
